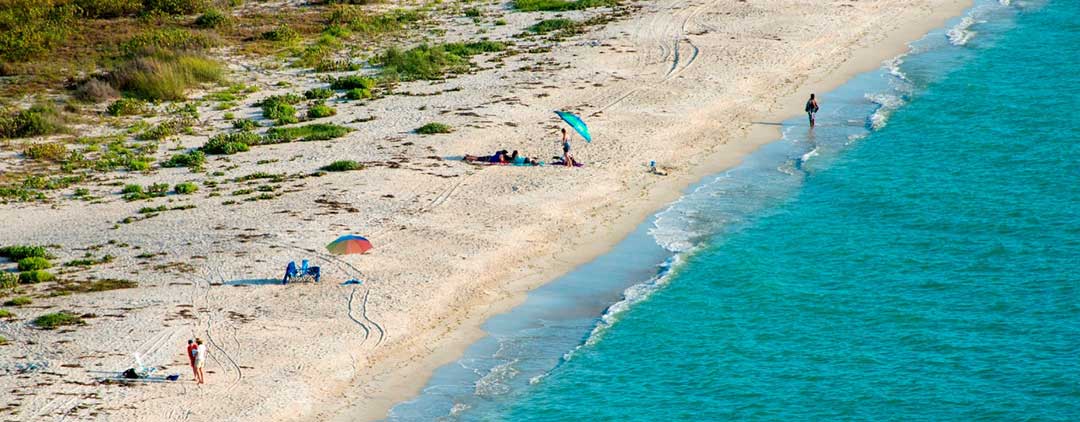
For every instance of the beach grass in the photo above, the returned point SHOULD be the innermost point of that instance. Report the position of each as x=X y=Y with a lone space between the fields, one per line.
x=312 y=132
x=57 y=319
x=434 y=128
x=343 y=165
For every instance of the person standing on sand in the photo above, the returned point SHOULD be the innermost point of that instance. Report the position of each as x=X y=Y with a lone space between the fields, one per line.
x=200 y=361
x=191 y=347
x=811 y=109
x=566 y=149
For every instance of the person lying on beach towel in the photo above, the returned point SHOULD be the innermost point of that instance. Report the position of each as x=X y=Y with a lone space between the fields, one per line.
x=569 y=161
x=501 y=157
x=497 y=158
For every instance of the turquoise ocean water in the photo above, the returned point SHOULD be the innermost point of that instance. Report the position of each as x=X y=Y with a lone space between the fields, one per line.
x=915 y=257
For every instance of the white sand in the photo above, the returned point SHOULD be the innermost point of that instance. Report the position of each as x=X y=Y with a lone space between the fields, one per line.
x=680 y=82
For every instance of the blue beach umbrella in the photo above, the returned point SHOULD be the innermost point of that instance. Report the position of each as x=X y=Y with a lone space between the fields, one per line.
x=575 y=122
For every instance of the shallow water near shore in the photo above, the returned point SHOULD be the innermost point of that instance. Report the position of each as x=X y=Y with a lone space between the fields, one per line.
x=912 y=257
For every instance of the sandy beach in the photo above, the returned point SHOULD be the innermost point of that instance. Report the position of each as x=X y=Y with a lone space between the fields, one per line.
x=692 y=85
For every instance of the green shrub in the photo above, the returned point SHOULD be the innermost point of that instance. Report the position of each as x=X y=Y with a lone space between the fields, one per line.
x=343 y=165
x=109 y=8
x=352 y=81
x=371 y=25
x=57 y=319
x=560 y=5
x=34 y=263
x=279 y=108
x=432 y=62
x=18 y=301
x=64 y=288
x=49 y=152
x=193 y=160
x=318 y=93
x=312 y=132
x=8 y=280
x=320 y=110
x=134 y=192
x=36 y=276
x=18 y=252
x=165 y=77
x=420 y=63
x=166 y=40
x=185 y=188
x=3 y=340
x=281 y=34
x=549 y=25
x=176 y=7
x=473 y=12
x=213 y=18
x=469 y=49
x=31 y=28
x=358 y=94
x=39 y=120
x=230 y=143
x=6 y=314
x=127 y=107
x=165 y=129
x=245 y=124
x=433 y=128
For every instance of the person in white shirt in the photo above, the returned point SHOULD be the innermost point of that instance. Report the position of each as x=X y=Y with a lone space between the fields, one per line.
x=200 y=360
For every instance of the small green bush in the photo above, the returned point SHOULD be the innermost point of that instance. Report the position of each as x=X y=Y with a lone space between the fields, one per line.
x=230 y=143
x=473 y=12
x=352 y=81
x=165 y=77
x=18 y=252
x=312 y=132
x=343 y=165
x=549 y=25
x=8 y=280
x=57 y=319
x=3 y=340
x=245 y=124
x=34 y=263
x=18 y=301
x=31 y=28
x=176 y=7
x=281 y=34
x=166 y=40
x=194 y=160
x=318 y=93
x=37 y=276
x=320 y=110
x=420 y=63
x=358 y=94
x=279 y=108
x=560 y=5
x=127 y=107
x=6 y=314
x=39 y=120
x=213 y=18
x=434 y=128
x=48 y=152
x=185 y=188
x=104 y=9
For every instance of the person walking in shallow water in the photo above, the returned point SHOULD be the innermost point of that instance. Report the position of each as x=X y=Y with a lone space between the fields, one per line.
x=811 y=109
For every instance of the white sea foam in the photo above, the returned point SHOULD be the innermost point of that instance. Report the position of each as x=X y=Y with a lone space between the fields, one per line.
x=631 y=296
x=496 y=381
x=1005 y=2
x=961 y=33
x=887 y=103
x=893 y=65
